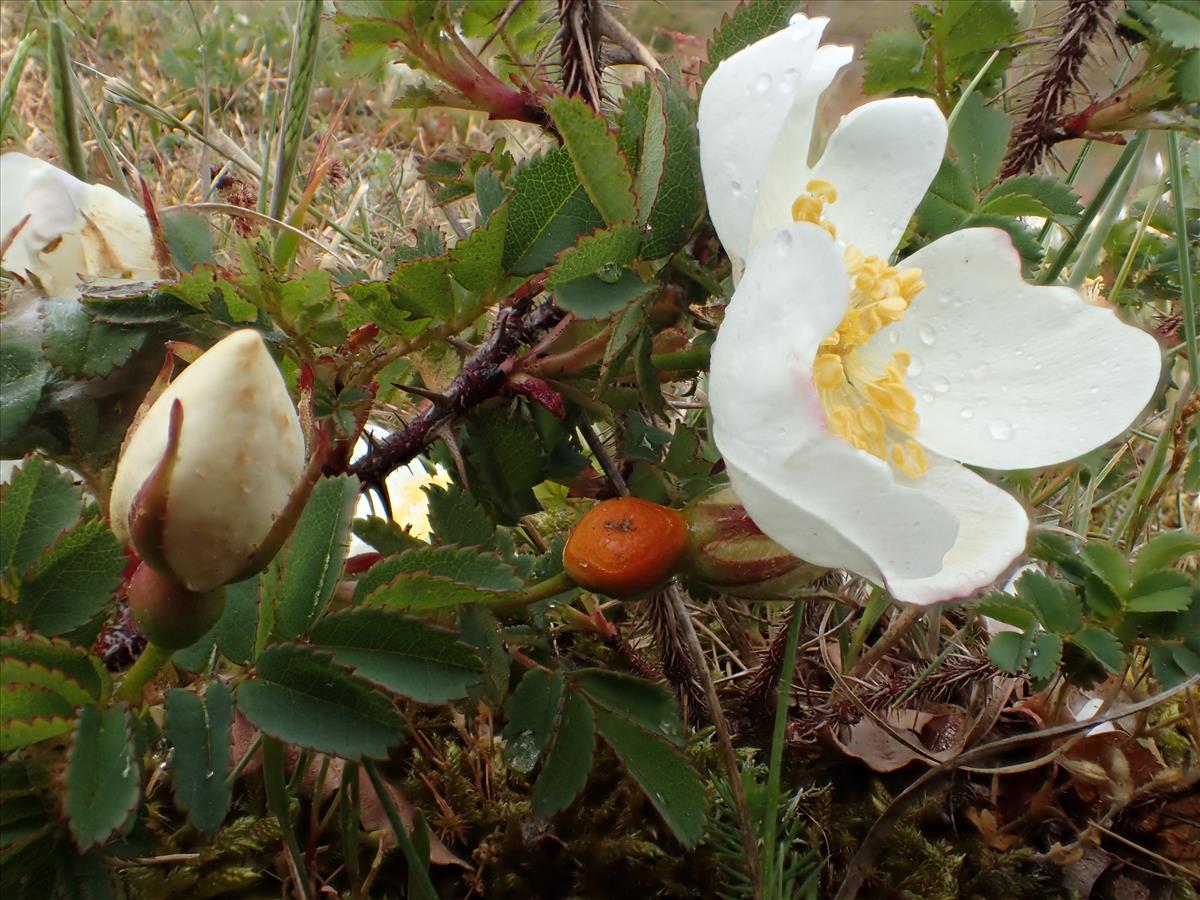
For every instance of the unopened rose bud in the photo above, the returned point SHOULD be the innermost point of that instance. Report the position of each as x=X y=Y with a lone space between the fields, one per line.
x=210 y=467
x=726 y=550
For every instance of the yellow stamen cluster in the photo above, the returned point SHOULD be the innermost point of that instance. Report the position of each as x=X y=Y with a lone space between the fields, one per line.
x=864 y=408
x=809 y=207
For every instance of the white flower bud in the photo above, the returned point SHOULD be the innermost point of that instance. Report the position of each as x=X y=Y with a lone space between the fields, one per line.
x=240 y=456
x=75 y=232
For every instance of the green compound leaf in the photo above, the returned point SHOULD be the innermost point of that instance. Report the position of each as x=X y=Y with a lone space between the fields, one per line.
x=80 y=345
x=1057 y=604
x=30 y=714
x=189 y=239
x=532 y=710
x=457 y=518
x=595 y=298
x=1009 y=650
x=23 y=372
x=55 y=653
x=1008 y=609
x=104 y=774
x=978 y=141
x=37 y=505
x=1178 y=21
x=421 y=287
x=478 y=262
x=1161 y=592
x=662 y=772
x=460 y=565
x=610 y=249
x=506 y=460
x=402 y=654
x=1045 y=656
x=371 y=301
x=311 y=562
x=301 y=696
x=199 y=729
x=1108 y=564
x=569 y=761
x=748 y=23
x=597 y=158
x=897 y=61
x=548 y=210
x=967 y=31
x=1034 y=195
x=948 y=203
x=72 y=581
x=1101 y=644
x=679 y=199
x=644 y=703
x=424 y=593
x=32 y=674
x=1162 y=551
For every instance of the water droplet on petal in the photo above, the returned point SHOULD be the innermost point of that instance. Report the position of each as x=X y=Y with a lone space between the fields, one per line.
x=927 y=335
x=783 y=243
x=915 y=366
x=762 y=83
x=941 y=384
x=927 y=397
x=736 y=188
x=980 y=371
x=967 y=412
x=1001 y=430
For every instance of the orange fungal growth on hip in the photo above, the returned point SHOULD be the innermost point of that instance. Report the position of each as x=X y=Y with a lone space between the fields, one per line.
x=626 y=546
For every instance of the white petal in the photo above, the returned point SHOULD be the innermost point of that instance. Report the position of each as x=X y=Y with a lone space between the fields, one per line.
x=881 y=159
x=116 y=237
x=792 y=294
x=788 y=170
x=1008 y=375
x=744 y=107
x=836 y=506
x=992 y=531
x=91 y=231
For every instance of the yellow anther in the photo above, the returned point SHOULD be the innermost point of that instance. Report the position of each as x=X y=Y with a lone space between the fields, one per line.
x=823 y=189
x=872 y=411
x=828 y=372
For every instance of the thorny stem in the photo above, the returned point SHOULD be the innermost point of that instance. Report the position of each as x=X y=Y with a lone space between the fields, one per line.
x=142 y=672
x=749 y=842
x=482 y=376
x=783 y=696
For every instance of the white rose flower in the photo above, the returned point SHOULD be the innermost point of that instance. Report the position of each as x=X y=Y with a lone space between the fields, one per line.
x=846 y=393
x=76 y=232
x=240 y=456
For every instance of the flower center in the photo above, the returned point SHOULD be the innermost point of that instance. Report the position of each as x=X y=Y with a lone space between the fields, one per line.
x=871 y=410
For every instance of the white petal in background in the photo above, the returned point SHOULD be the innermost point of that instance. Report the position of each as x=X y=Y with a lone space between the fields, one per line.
x=1008 y=375
x=744 y=107
x=75 y=232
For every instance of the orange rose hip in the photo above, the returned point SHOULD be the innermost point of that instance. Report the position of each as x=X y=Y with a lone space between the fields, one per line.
x=625 y=546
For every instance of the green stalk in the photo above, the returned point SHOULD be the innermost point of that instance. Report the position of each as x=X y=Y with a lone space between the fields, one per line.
x=12 y=78
x=418 y=868
x=1136 y=243
x=1093 y=245
x=301 y=68
x=775 y=768
x=106 y=146
x=277 y=801
x=1132 y=149
x=66 y=128
x=877 y=605
x=1187 y=287
x=142 y=672
x=968 y=91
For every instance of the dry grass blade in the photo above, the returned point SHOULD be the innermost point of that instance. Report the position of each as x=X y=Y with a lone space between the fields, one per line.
x=12 y=78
